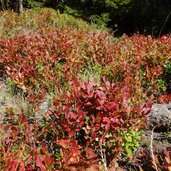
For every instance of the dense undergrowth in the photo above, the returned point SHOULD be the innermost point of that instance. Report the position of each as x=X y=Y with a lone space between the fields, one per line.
x=98 y=90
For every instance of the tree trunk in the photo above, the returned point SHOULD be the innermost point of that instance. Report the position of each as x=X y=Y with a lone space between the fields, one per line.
x=20 y=6
x=2 y=5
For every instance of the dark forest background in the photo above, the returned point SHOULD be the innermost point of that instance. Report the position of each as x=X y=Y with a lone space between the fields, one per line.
x=122 y=16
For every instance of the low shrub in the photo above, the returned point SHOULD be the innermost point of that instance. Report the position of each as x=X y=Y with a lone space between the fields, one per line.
x=88 y=126
x=101 y=90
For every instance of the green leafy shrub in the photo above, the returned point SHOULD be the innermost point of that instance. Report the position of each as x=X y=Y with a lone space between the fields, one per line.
x=32 y=21
x=132 y=141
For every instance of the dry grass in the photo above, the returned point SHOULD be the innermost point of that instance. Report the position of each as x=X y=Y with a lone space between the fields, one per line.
x=8 y=100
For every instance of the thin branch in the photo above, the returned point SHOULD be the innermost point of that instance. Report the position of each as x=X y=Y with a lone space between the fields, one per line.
x=103 y=156
x=151 y=149
x=164 y=23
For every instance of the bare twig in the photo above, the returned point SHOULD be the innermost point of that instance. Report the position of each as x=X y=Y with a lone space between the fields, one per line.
x=164 y=23
x=151 y=149
x=103 y=156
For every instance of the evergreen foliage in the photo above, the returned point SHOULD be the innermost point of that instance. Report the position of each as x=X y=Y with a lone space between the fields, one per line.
x=123 y=16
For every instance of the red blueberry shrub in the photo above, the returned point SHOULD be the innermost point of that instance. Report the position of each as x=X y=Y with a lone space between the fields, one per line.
x=88 y=118
x=87 y=124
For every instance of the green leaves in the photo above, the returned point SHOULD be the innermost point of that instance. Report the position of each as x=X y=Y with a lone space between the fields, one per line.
x=131 y=141
x=117 y=4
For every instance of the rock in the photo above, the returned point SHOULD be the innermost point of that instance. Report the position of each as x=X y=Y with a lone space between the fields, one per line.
x=158 y=123
x=45 y=106
x=160 y=117
x=160 y=141
x=40 y=115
